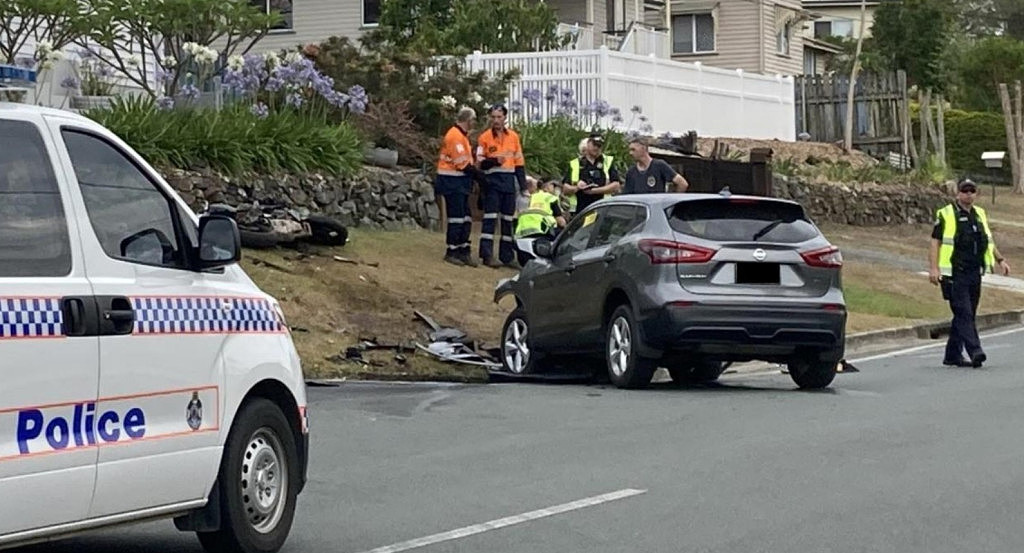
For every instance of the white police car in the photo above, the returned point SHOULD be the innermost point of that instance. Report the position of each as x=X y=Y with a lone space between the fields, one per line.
x=142 y=373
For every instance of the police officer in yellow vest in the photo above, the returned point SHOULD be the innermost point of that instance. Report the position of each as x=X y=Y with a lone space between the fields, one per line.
x=541 y=218
x=962 y=249
x=591 y=176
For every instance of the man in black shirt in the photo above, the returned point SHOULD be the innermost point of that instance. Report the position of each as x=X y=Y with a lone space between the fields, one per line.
x=962 y=249
x=649 y=175
x=591 y=176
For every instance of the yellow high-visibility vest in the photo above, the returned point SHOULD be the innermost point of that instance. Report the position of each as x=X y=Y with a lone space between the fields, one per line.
x=538 y=218
x=949 y=224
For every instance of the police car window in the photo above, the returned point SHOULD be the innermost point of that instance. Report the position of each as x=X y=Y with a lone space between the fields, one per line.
x=578 y=234
x=132 y=218
x=616 y=222
x=34 y=239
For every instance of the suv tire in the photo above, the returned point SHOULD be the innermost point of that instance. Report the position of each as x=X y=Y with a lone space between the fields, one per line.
x=259 y=478
x=813 y=373
x=626 y=368
x=517 y=354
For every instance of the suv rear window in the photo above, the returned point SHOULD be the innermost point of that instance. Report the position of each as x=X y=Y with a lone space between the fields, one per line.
x=741 y=220
x=34 y=238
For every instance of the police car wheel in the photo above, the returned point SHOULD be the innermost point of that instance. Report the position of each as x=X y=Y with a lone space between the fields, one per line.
x=258 y=479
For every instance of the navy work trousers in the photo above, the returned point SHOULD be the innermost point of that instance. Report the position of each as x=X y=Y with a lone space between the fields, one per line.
x=499 y=202
x=456 y=201
x=964 y=291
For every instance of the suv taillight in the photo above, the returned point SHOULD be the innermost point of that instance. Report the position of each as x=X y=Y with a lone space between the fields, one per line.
x=829 y=258
x=666 y=251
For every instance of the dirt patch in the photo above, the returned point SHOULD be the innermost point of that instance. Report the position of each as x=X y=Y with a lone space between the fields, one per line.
x=801 y=153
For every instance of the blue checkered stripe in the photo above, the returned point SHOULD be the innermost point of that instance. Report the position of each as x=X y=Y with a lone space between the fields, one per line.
x=30 y=318
x=204 y=315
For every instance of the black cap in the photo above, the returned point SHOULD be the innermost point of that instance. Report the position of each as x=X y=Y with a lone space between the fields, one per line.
x=597 y=138
x=966 y=184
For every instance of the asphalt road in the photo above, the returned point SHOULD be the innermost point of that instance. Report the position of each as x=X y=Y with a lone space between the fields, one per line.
x=904 y=456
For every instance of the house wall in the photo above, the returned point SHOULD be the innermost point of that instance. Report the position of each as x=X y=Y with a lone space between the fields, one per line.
x=737 y=27
x=791 y=63
x=315 y=21
x=576 y=12
x=848 y=13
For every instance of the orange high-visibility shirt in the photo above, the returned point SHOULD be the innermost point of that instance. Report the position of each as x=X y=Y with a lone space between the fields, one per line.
x=503 y=145
x=456 y=153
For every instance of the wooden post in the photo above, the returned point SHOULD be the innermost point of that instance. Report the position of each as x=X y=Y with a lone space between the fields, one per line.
x=1018 y=186
x=941 y=144
x=848 y=136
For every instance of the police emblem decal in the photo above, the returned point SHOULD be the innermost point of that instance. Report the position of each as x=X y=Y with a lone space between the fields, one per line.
x=194 y=412
x=651 y=181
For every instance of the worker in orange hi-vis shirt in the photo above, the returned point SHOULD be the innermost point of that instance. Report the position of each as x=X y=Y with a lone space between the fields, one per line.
x=455 y=174
x=500 y=155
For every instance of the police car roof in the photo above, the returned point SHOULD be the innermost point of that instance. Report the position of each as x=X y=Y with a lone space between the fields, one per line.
x=29 y=109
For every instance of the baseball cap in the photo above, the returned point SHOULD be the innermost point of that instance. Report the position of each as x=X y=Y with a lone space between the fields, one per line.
x=597 y=138
x=967 y=185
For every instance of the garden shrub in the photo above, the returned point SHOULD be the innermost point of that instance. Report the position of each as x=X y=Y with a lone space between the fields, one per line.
x=969 y=134
x=431 y=89
x=233 y=140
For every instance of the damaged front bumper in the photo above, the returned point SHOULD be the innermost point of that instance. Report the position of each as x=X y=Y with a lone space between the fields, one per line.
x=505 y=287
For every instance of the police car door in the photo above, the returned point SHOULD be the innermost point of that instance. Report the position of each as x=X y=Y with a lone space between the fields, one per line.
x=49 y=364
x=160 y=368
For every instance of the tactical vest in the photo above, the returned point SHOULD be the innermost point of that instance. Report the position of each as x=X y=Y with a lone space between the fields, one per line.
x=949 y=225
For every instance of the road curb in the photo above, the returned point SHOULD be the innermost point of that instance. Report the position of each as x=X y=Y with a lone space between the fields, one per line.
x=930 y=330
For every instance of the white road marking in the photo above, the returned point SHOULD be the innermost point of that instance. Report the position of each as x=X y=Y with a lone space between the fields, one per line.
x=507 y=521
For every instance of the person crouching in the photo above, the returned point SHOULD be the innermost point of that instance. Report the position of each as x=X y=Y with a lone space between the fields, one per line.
x=541 y=219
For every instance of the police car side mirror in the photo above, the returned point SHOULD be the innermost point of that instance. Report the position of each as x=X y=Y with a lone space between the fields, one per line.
x=543 y=247
x=220 y=243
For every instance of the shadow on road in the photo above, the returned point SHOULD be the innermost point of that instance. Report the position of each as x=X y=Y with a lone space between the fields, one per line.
x=118 y=544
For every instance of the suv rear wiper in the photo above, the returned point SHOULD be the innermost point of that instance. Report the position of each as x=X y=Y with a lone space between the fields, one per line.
x=767 y=228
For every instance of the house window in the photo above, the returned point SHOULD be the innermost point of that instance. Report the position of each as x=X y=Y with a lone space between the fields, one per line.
x=782 y=39
x=839 y=27
x=283 y=7
x=371 y=12
x=693 y=33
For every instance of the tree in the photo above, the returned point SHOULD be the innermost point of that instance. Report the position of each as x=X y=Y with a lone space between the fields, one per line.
x=171 y=30
x=848 y=136
x=1014 y=121
x=458 y=27
x=985 y=64
x=913 y=35
x=53 y=22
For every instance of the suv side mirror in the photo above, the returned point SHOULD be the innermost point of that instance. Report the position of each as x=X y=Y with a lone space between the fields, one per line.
x=220 y=243
x=543 y=247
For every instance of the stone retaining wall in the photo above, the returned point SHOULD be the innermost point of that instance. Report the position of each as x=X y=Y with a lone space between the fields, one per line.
x=392 y=200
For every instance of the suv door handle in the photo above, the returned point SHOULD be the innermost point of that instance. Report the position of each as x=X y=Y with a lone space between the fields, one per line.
x=117 y=315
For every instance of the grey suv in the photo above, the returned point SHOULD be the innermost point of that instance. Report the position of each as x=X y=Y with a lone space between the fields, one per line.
x=689 y=282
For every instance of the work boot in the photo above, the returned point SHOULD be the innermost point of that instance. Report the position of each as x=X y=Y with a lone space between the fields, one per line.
x=492 y=263
x=957 y=363
x=978 y=359
x=468 y=261
x=454 y=260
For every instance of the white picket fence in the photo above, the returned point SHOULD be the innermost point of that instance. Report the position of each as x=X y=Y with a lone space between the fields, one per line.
x=675 y=97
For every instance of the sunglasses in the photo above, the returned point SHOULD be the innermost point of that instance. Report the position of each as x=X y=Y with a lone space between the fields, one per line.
x=969 y=190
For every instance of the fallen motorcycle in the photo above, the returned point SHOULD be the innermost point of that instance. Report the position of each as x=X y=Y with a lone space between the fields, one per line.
x=269 y=226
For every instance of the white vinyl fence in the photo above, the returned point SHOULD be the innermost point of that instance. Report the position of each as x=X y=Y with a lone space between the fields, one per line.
x=675 y=97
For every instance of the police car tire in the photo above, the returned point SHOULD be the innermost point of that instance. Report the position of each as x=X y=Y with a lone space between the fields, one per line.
x=236 y=534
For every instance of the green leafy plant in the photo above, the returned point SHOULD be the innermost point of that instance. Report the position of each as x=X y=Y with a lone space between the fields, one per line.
x=431 y=90
x=233 y=140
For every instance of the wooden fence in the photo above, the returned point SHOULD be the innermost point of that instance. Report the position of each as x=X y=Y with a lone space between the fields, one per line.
x=881 y=111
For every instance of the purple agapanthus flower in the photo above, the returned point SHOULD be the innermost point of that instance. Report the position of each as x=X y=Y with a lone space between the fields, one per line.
x=357 y=99
x=532 y=96
x=190 y=92
x=165 y=103
x=636 y=109
x=516 y=105
x=294 y=99
x=647 y=128
x=599 y=108
x=260 y=110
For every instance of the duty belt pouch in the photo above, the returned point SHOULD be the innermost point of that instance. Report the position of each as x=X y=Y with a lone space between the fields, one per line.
x=946 y=284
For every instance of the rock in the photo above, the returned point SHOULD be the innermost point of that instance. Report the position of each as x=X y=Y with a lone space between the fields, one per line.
x=433 y=212
x=392 y=225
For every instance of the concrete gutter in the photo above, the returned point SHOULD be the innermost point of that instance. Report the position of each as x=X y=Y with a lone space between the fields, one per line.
x=930 y=330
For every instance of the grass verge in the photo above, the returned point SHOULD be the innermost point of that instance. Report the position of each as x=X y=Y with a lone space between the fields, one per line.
x=386 y=277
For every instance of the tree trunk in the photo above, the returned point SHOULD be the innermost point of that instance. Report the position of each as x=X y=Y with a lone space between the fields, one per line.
x=926 y=111
x=941 y=143
x=922 y=102
x=1012 y=144
x=1019 y=122
x=848 y=138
